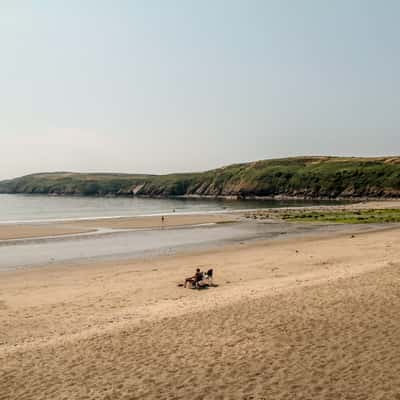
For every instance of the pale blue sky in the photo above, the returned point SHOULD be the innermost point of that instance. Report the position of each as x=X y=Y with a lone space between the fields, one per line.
x=163 y=86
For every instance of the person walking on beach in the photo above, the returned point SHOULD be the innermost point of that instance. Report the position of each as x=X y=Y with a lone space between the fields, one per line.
x=162 y=220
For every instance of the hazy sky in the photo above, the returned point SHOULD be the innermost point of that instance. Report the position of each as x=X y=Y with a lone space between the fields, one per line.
x=162 y=86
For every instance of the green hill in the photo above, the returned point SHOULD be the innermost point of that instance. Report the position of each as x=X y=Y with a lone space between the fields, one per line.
x=301 y=177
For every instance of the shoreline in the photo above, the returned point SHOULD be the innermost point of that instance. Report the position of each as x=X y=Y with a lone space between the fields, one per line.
x=10 y=230
x=123 y=245
x=357 y=203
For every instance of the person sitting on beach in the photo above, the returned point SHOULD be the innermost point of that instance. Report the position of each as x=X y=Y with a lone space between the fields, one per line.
x=196 y=279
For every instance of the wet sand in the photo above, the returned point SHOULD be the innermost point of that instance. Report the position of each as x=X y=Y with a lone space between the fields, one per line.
x=125 y=244
x=310 y=317
x=23 y=231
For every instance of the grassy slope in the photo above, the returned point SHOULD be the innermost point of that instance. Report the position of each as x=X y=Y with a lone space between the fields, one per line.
x=300 y=176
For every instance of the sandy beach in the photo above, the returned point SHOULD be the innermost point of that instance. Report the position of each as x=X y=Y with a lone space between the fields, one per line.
x=313 y=317
x=200 y=200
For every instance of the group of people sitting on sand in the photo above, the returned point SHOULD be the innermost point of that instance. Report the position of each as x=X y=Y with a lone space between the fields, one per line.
x=200 y=279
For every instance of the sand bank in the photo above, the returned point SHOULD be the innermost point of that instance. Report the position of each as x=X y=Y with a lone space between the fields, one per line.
x=35 y=230
x=156 y=221
x=311 y=318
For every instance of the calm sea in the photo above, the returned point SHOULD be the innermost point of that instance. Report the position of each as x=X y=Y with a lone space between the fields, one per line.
x=19 y=208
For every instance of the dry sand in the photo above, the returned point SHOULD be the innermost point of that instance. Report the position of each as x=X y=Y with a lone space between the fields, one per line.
x=315 y=318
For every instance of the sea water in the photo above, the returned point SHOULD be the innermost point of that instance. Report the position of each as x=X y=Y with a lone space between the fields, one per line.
x=25 y=208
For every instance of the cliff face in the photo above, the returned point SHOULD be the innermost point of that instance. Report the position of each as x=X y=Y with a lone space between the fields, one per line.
x=301 y=177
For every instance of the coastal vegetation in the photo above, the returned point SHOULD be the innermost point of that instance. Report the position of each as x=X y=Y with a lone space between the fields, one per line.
x=298 y=177
x=345 y=216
